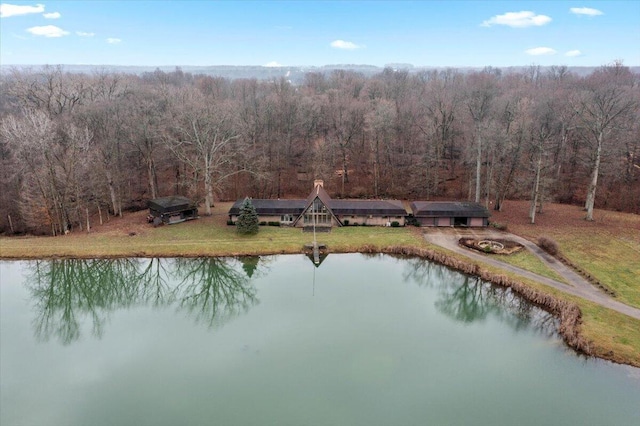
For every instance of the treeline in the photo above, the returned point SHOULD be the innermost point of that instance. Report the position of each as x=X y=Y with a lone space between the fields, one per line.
x=74 y=145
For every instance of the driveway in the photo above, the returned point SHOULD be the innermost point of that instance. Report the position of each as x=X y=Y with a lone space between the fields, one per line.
x=448 y=238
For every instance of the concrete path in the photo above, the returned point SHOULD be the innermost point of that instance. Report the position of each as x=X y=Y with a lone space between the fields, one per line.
x=448 y=238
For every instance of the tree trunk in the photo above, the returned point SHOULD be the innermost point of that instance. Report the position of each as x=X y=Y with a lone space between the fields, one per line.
x=208 y=190
x=345 y=177
x=151 y=175
x=536 y=188
x=112 y=193
x=478 y=168
x=591 y=192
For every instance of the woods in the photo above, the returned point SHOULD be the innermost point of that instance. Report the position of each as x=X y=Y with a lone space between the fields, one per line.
x=74 y=145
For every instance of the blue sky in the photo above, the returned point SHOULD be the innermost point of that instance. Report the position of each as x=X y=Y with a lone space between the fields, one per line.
x=316 y=33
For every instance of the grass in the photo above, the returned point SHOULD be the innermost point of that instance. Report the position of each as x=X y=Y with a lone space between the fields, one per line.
x=612 y=256
x=526 y=260
x=205 y=237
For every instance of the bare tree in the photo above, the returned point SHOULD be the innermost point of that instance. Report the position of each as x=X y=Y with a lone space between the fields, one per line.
x=601 y=104
x=481 y=91
x=50 y=158
x=203 y=137
x=344 y=115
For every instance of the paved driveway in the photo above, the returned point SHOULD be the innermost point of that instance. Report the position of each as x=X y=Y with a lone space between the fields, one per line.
x=577 y=285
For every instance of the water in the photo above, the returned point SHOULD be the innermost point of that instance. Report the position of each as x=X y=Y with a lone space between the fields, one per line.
x=360 y=340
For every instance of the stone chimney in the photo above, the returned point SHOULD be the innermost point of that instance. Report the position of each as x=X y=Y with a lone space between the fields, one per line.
x=318 y=182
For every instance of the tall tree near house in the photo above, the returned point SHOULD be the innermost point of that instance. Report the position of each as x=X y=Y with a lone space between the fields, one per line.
x=380 y=124
x=514 y=129
x=106 y=120
x=481 y=91
x=601 y=105
x=204 y=137
x=440 y=103
x=545 y=128
x=344 y=117
x=144 y=112
x=286 y=110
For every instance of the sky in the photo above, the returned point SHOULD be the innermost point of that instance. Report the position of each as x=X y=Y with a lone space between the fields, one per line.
x=316 y=33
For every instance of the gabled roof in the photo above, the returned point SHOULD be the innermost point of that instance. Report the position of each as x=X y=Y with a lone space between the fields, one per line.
x=321 y=194
x=448 y=209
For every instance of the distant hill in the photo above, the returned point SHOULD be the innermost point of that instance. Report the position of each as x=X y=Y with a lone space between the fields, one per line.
x=295 y=74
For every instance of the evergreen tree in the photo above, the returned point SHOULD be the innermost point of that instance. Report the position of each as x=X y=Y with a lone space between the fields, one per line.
x=248 y=218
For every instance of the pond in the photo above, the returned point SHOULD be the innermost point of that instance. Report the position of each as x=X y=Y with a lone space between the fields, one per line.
x=359 y=340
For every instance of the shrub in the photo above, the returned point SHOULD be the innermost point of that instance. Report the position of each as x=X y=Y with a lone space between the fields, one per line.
x=499 y=226
x=395 y=224
x=230 y=222
x=412 y=221
x=247 y=219
x=274 y=223
x=548 y=245
x=346 y=222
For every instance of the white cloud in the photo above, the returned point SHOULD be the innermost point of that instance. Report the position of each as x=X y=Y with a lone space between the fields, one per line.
x=273 y=64
x=347 y=45
x=518 y=20
x=48 y=31
x=573 y=53
x=85 y=34
x=538 y=51
x=52 y=15
x=7 y=10
x=112 y=40
x=586 y=11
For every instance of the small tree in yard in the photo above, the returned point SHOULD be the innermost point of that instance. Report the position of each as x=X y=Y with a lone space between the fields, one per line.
x=248 y=219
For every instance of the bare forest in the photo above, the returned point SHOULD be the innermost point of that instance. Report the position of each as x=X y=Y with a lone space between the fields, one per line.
x=80 y=145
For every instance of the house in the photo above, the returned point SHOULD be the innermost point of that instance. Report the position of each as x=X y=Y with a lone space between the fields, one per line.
x=323 y=212
x=173 y=209
x=450 y=213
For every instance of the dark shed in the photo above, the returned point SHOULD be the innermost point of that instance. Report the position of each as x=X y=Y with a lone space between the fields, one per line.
x=172 y=209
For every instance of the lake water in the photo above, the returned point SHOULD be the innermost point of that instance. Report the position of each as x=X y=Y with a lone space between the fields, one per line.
x=359 y=340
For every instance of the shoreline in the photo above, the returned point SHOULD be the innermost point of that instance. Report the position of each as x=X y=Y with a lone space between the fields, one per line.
x=567 y=312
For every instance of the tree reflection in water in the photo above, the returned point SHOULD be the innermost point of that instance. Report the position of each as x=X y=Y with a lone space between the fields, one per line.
x=211 y=290
x=66 y=292
x=472 y=300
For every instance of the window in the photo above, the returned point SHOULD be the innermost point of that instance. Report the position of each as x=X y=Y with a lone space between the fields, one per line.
x=317 y=213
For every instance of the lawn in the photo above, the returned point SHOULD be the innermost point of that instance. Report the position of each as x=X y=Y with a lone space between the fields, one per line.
x=208 y=236
x=607 y=248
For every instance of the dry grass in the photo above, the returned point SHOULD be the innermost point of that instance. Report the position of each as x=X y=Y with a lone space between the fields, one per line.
x=607 y=248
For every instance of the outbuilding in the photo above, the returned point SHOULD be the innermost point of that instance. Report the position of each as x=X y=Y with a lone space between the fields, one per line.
x=173 y=209
x=450 y=213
